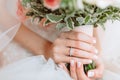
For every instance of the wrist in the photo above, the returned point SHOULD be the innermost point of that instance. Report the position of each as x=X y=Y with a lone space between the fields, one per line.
x=47 y=50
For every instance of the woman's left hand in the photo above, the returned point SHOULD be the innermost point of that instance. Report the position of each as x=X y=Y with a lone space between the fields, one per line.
x=77 y=71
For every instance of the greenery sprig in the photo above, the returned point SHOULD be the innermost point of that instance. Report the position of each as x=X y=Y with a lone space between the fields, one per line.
x=69 y=15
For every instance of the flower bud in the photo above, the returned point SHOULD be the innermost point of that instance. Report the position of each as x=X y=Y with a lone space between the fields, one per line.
x=52 y=4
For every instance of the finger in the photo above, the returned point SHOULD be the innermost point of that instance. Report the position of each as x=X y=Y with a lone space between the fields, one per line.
x=62 y=66
x=73 y=70
x=98 y=72
x=61 y=57
x=66 y=59
x=77 y=44
x=80 y=72
x=78 y=36
x=79 y=53
x=42 y=22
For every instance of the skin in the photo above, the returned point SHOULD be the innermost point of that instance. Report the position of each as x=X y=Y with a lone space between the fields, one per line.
x=82 y=47
x=83 y=52
x=59 y=51
x=77 y=72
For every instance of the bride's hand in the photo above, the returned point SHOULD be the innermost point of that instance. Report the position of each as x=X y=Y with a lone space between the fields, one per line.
x=82 y=48
x=98 y=72
x=77 y=72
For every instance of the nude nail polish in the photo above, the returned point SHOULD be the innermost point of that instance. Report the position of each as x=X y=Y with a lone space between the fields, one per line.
x=95 y=57
x=94 y=41
x=96 y=51
x=78 y=64
x=72 y=62
x=91 y=74
x=90 y=61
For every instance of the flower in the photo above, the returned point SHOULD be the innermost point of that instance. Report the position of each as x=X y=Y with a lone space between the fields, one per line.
x=52 y=4
x=80 y=4
x=116 y=3
x=20 y=11
x=103 y=3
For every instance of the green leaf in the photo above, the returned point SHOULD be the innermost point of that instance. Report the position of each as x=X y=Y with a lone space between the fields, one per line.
x=102 y=25
x=46 y=23
x=70 y=23
x=87 y=19
x=70 y=4
x=24 y=2
x=69 y=15
x=80 y=20
x=59 y=26
x=54 y=18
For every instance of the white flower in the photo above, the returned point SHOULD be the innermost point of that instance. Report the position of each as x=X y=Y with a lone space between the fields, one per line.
x=103 y=3
x=99 y=3
x=90 y=1
x=80 y=4
x=28 y=6
x=116 y=3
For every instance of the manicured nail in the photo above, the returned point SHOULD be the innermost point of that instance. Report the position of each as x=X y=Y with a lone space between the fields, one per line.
x=72 y=62
x=90 y=61
x=91 y=74
x=94 y=41
x=60 y=66
x=96 y=51
x=79 y=64
x=95 y=57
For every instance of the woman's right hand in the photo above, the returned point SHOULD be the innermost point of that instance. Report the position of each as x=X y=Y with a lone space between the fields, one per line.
x=82 y=48
x=77 y=70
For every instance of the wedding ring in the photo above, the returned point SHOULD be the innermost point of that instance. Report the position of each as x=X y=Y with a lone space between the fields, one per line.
x=71 y=51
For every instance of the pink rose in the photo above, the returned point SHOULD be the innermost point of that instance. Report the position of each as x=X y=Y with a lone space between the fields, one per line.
x=52 y=4
x=21 y=11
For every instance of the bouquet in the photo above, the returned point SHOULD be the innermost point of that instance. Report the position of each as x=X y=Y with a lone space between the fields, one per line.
x=70 y=13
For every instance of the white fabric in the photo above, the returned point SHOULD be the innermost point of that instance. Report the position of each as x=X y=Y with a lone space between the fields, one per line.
x=33 y=68
x=37 y=68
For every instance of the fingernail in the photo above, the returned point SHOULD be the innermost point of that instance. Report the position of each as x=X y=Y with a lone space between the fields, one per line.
x=78 y=64
x=60 y=66
x=91 y=74
x=95 y=57
x=94 y=41
x=72 y=62
x=96 y=51
x=90 y=61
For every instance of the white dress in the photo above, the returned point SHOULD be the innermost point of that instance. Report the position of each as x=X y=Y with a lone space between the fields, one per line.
x=20 y=64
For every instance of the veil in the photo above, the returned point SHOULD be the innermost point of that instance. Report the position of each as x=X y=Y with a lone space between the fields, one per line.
x=9 y=24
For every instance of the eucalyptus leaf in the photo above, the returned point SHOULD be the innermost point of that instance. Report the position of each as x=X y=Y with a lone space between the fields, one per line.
x=54 y=18
x=80 y=20
x=59 y=26
x=24 y=2
x=46 y=23
x=87 y=19
x=70 y=23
